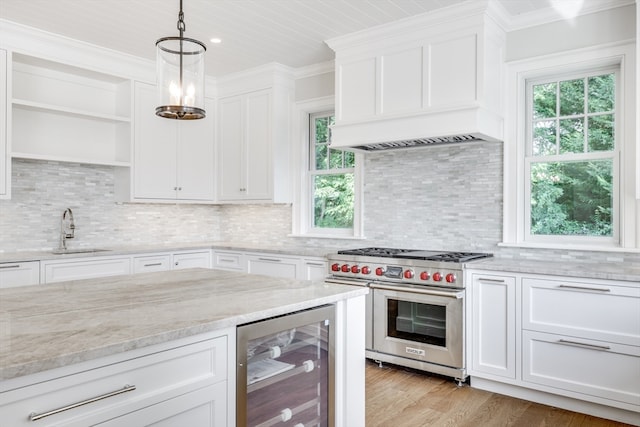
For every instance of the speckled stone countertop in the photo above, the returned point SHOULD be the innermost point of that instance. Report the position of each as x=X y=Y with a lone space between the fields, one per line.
x=624 y=272
x=45 y=327
x=23 y=256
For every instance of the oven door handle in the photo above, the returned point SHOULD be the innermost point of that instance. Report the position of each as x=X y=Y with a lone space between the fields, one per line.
x=423 y=291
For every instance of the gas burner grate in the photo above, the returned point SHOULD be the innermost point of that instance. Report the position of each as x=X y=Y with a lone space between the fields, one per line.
x=380 y=252
x=457 y=256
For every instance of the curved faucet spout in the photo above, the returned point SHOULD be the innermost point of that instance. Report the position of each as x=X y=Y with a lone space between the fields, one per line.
x=67 y=228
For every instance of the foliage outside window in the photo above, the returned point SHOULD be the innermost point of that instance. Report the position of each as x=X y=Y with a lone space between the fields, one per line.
x=332 y=178
x=571 y=161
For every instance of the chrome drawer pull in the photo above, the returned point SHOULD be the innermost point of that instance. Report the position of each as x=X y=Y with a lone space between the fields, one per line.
x=269 y=259
x=318 y=264
x=35 y=417
x=482 y=279
x=585 y=288
x=155 y=264
x=581 y=344
x=10 y=266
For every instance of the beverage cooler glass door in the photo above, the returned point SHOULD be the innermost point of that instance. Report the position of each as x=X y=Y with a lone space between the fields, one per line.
x=285 y=370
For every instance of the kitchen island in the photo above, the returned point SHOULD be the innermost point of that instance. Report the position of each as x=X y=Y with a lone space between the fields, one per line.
x=57 y=338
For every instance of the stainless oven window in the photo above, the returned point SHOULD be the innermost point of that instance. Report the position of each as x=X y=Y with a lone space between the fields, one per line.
x=417 y=322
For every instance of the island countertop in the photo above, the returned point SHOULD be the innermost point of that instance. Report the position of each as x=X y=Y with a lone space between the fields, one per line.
x=49 y=326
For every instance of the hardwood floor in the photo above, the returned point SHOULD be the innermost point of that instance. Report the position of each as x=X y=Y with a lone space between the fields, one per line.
x=397 y=398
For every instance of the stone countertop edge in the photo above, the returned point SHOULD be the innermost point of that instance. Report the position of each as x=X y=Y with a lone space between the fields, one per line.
x=25 y=256
x=188 y=297
x=629 y=273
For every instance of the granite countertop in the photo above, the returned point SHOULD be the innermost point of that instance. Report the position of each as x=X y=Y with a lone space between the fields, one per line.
x=24 y=256
x=45 y=327
x=624 y=272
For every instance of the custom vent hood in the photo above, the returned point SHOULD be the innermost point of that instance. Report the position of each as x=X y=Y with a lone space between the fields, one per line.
x=431 y=79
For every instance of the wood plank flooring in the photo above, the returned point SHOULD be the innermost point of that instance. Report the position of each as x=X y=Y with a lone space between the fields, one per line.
x=398 y=397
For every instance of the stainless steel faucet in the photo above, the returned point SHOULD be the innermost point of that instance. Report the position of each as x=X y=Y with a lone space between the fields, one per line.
x=67 y=228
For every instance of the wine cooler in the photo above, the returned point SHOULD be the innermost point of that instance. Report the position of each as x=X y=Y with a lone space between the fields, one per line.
x=285 y=370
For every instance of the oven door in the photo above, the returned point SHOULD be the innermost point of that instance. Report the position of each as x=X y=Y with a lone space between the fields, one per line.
x=419 y=323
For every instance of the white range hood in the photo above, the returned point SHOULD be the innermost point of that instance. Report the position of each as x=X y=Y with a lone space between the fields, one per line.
x=427 y=80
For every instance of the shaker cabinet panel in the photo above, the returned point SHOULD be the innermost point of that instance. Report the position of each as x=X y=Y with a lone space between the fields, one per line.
x=402 y=81
x=231 y=134
x=19 y=274
x=453 y=78
x=357 y=86
x=258 y=146
x=5 y=161
x=274 y=266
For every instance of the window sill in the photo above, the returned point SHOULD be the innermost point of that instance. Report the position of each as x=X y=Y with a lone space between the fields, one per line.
x=574 y=247
x=327 y=236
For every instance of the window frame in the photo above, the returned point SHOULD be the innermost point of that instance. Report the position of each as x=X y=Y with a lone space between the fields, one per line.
x=516 y=219
x=302 y=224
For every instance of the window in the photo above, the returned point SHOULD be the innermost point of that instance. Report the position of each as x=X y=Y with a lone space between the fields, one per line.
x=571 y=161
x=331 y=173
x=329 y=195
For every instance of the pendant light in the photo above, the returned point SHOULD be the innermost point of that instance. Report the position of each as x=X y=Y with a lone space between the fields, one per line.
x=180 y=75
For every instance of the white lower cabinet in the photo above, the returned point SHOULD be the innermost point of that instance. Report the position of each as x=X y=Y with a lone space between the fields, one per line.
x=183 y=382
x=149 y=263
x=228 y=260
x=19 y=274
x=196 y=259
x=493 y=324
x=83 y=268
x=273 y=265
x=573 y=338
x=313 y=269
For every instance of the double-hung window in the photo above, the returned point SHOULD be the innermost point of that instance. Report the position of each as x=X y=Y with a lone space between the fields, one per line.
x=571 y=163
x=570 y=158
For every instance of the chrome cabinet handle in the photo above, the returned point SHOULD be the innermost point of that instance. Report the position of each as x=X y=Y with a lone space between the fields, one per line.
x=155 y=264
x=585 y=288
x=582 y=344
x=35 y=417
x=270 y=259
x=484 y=279
x=10 y=266
x=319 y=264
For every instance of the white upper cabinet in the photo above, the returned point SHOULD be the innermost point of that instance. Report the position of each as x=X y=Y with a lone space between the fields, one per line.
x=5 y=161
x=173 y=160
x=429 y=76
x=253 y=141
x=66 y=113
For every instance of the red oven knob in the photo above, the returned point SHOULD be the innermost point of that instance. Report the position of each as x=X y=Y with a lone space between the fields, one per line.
x=424 y=276
x=408 y=274
x=437 y=277
x=344 y=268
x=355 y=269
x=450 y=278
x=379 y=271
x=335 y=267
x=366 y=270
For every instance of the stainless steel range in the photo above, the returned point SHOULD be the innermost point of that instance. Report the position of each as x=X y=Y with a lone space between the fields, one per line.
x=415 y=310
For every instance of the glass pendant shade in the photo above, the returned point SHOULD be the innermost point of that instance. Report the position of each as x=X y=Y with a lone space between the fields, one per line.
x=180 y=78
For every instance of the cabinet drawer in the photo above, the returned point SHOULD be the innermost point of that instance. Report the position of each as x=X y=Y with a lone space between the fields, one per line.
x=228 y=260
x=156 y=377
x=19 y=274
x=597 y=310
x=273 y=266
x=152 y=263
x=192 y=260
x=84 y=269
x=593 y=368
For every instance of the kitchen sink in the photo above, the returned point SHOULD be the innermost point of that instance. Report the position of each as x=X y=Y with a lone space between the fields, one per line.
x=77 y=251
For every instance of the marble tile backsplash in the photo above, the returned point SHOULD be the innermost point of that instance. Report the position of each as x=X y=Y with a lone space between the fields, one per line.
x=447 y=198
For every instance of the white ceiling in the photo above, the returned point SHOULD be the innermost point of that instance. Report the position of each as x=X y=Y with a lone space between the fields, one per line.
x=253 y=32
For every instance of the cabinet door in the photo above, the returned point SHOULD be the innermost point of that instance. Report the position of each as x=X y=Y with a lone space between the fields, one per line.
x=19 y=274
x=258 y=156
x=313 y=269
x=84 y=269
x=5 y=165
x=274 y=266
x=230 y=152
x=206 y=407
x=147 y=264
x=225 y=260
x=155 y=148
x=200 y=259
x=493 y=323
x=195 y=157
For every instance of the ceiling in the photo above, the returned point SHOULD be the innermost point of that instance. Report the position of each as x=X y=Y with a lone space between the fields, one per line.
x=253 y=32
